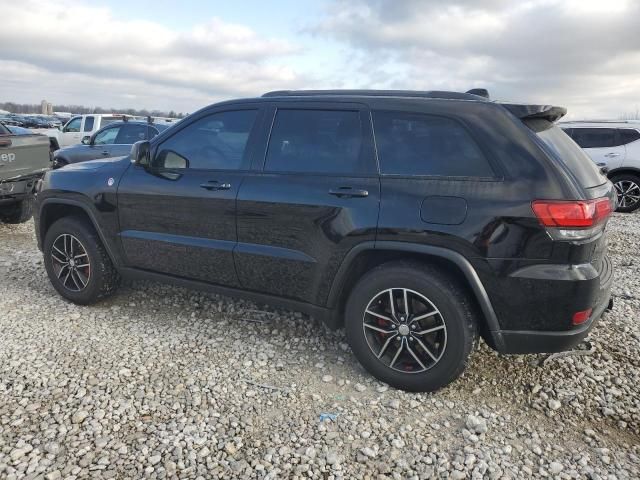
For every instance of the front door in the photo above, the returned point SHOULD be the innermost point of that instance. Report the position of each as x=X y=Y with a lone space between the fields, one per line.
x=317 y=197
x=177 y=215
x=71 y=132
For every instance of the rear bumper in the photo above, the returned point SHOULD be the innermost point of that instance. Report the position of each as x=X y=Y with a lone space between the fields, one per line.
x=540 y=341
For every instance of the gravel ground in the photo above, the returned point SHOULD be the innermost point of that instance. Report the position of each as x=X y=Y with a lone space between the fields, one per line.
x=159 y=382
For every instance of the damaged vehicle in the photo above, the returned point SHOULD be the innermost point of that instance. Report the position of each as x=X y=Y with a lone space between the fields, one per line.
x=23 y=161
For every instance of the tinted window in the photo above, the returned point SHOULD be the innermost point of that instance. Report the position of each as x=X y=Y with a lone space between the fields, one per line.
x=88 y=124
x=130 y=134
x=217 y=141
x=628 y=135
x=416 y=144
x=560 y=147
x=4 y=130
x=106 y=136
x=594 y=137
x=319 y=141
x=73 y=125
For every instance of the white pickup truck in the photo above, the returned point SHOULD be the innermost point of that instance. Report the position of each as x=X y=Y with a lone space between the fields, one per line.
x=78 y=127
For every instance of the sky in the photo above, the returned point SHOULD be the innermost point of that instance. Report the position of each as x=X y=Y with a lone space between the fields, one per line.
x=181 y=56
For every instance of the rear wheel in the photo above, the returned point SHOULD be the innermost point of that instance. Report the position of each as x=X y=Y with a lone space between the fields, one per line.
x=628 y=192
x=410 y=326
x=77 y=263
x=18 y=212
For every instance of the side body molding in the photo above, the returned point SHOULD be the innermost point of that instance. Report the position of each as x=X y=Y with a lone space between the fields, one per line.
x=460 y=261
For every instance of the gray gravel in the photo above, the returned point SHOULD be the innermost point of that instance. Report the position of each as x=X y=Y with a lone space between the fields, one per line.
x=159 y=382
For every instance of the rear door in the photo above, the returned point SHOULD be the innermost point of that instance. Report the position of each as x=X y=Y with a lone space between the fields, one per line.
x=316 y=198
x=178 y=214
x=601 y=144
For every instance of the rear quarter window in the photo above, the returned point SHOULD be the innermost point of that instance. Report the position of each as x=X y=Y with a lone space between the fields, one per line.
x=427 y=145
x=560 y=147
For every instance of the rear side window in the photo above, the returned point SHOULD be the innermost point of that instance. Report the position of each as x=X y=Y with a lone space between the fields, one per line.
x=417 y=144
x=594 y=137
x=130 y=134
x=628 y=135
x=560 y=146
x=316 y=141
x=88 y=124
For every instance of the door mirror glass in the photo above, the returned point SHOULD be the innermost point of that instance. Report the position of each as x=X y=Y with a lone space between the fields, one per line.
x=172 y=160
x=140 y=153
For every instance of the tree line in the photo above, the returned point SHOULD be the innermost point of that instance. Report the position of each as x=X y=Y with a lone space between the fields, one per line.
x=80 y=109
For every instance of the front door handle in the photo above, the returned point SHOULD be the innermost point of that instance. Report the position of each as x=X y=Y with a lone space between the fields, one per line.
x=105 y=153
x=215 y=185
x=5 y=142
x=612 y=154
x=348 y=192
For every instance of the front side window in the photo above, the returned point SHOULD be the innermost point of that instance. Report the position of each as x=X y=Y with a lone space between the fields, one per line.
x=419 y=144
x=217 y=141
x=316 y=141
x=130 y=134
x=73 y=125
x=594 y=137
x=88 y=124
x=106 y=136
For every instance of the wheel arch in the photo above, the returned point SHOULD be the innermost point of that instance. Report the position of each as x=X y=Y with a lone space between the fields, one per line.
x=366 y=256
x=53 y=209
x=623 y=170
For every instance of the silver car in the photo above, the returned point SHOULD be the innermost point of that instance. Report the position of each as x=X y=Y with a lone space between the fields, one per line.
x=114 y=140
x=615 y=146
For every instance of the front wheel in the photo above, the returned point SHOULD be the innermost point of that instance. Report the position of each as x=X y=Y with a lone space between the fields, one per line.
x=77 y=263
x=628 y=191
x=411 y=326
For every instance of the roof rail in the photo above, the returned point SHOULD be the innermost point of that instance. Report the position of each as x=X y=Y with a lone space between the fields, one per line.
x=377 y=93
x=602 y=121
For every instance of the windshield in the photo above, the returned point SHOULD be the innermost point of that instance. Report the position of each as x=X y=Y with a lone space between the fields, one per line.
x=566 y=150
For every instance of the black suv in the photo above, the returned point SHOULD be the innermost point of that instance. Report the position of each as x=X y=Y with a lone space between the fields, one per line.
x=418 y=220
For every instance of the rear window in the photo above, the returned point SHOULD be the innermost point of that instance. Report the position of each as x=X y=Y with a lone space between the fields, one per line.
x=107 y=120
x=418 y=144
x=561 y=147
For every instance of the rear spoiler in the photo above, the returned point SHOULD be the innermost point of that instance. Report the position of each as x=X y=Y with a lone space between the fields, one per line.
x=546 y=112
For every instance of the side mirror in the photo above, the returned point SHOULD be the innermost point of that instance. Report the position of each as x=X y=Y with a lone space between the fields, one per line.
x=86 y=140
x=141 y=153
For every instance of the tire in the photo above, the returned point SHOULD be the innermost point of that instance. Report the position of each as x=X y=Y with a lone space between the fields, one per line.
x=89 y=284
x=628 y=190
x=18 y=212
x=450 y=346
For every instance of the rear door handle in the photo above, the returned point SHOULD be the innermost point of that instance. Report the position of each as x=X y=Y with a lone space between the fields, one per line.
x=215 y=185
x=612 y=154
x=348 y=192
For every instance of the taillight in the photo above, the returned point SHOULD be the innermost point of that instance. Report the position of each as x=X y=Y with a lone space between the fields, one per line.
x=573 y=219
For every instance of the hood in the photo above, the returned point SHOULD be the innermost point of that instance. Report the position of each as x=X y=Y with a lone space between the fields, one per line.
x=96 y=164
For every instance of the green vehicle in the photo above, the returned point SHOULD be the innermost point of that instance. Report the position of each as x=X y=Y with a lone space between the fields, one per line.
x=23 y=161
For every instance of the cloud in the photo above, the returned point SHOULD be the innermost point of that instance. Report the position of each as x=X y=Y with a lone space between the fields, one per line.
x=70 y=52
x=584 y=54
